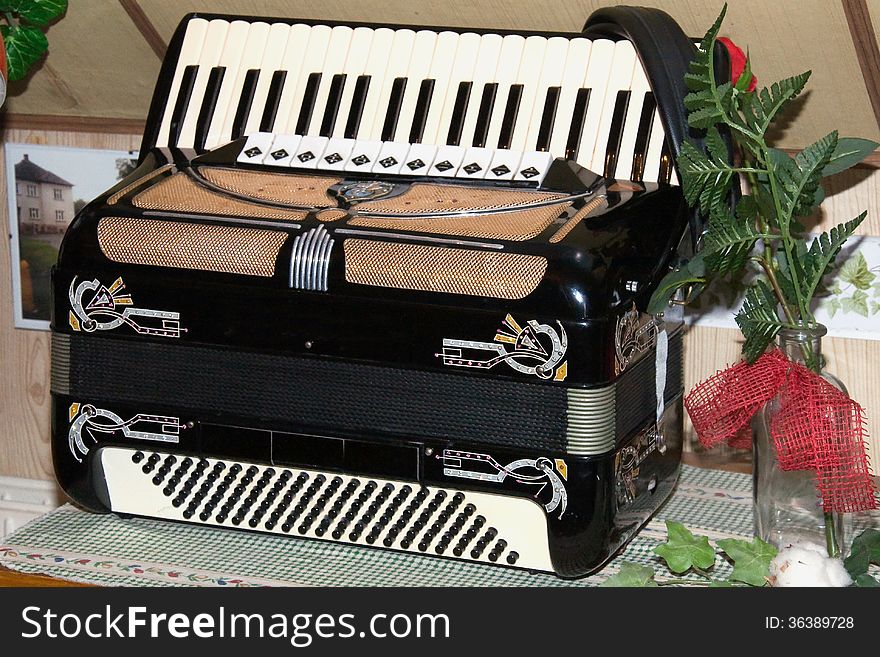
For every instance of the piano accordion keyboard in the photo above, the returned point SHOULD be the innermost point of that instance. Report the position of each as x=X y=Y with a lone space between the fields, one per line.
x=361 y=510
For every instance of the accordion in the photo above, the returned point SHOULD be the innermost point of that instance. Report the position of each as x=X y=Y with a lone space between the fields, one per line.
x=385 y=286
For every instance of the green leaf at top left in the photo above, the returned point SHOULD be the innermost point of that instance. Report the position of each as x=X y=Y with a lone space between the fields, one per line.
x=38 y=13
x=683 y=551
x=24 y=46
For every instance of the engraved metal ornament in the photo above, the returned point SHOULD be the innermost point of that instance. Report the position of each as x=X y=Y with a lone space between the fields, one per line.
x=628 y=460
x=366 y=190
x=88 y=421
x=632 y=336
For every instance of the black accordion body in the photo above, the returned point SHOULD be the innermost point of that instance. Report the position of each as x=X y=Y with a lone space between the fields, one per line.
x=385 y=286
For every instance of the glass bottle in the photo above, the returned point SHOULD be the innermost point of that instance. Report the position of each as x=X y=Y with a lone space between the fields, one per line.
x=788 y=507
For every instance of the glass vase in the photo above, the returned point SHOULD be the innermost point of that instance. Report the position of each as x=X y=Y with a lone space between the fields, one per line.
x=788 y=507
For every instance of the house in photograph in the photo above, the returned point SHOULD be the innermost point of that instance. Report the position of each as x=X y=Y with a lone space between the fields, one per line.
x=44 y=200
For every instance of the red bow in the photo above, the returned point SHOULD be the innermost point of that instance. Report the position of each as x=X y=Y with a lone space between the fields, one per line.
x=817 y=427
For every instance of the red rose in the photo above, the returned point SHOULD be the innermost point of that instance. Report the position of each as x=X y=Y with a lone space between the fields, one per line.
x=737 y=62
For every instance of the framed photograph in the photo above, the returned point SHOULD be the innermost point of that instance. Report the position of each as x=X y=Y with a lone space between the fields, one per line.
x=46 y=187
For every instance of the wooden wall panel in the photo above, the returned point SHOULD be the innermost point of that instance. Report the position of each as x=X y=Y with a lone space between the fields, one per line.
x=24 y=354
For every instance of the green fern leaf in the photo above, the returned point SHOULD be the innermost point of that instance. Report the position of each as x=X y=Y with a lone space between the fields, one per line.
x=800 y=177
x=758 y=320
x=729 y=240
x=818 y=261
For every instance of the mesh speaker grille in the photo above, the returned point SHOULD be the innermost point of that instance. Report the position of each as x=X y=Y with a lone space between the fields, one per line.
x=515 y=226
x=581 y=214
x=137 y=183
x=423 y=197
x=228 y=249
x=277 y=187
x=180 y=194
x=441 y=269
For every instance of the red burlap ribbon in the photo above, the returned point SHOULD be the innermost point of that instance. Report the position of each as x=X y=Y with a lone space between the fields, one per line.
x=817 y=427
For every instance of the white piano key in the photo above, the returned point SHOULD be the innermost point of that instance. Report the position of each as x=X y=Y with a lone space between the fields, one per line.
x=336 y=154
x=212 y=45
x=334 y=62
x=256 y=148
x=475 y=163
x=355 y=63
x=573 y=74
x=419 y=65
x=551 y=76
x=313 y=61
x=447 y=161
x=419 y=159
x=508 y=66
x=271 y=62
x=363 y=155
x=619 y=79
x=596 y=80
x=309 y=153
x=528 y=76
x=376 y=105
x=460 y=69
x=534 y=166
x=291 y=62
x=440 y=72
x=625 y=155
x=190 y=50
x=484 y=73
x=252 y=55
x=391 y=158
x=282 y=150
x=233 y=47
x=504 y=165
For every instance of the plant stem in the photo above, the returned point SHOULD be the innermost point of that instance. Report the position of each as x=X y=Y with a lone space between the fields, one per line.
x=9 y=18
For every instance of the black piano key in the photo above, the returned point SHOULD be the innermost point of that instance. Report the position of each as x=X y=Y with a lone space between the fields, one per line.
x=310 y=96
x=487 y=103
x=393 y=113
x=358 y=99
x=666 y=164
x=276 y=86
x=578 y=116
x=182 y=103
x=458 y=111
x=615 y=133
x=508 y=122
x=640 y=152
x=334 y=97
x=548 y=118
x=420 y=115
x=209 y=104
x=244 y=102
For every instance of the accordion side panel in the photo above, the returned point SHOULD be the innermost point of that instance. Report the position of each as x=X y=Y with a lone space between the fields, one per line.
x=179 y=193
x=226 y=249
x=515 y=226
x=441 y=269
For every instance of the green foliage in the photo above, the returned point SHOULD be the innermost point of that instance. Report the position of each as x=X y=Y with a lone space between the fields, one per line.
x=751 y=559
x=631 y=575
x=683 y=551
x=865 y=551
x=763 y=232
x=855 y=271
x=23 y=32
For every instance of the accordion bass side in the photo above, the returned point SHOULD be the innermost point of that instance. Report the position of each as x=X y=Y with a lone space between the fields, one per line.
x=349 y=294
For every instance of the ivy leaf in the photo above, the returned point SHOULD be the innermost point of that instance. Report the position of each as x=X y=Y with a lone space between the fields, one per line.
x=631 y=575
x=857 y=303
x=865 y=550
x=692 y=273
x=855 y=270
x=833 y=307
x=866 y=581
x=683 y=551
x=24 y=46
x=850 y=151
x=758 y=320
x=751 y=559
x=875 y=307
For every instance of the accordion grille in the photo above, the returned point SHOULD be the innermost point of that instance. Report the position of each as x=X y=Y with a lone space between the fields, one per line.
x=137 y=183
x=276 y=187
x=179 y=193
x=442 y=269
x=515 y=226
x=227 y=249
x=422 y=197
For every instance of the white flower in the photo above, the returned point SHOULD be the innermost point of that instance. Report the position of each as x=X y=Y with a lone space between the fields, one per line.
x=807 y=564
